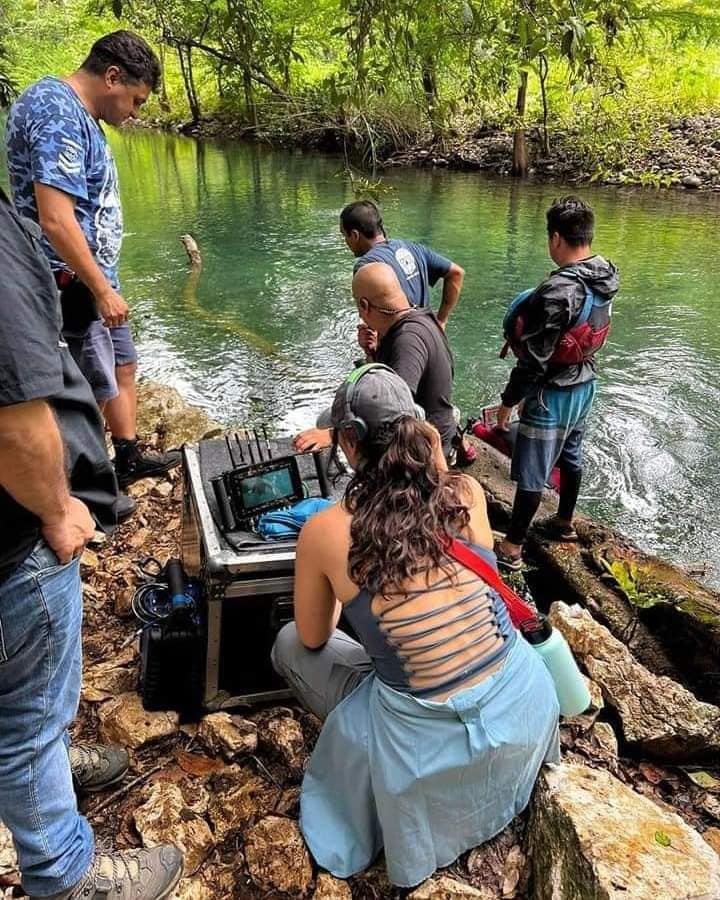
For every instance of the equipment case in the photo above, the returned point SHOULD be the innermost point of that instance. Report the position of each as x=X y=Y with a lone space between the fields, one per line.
x=247 y=582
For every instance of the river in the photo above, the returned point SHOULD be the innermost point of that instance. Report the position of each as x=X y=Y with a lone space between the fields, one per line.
x=271 y=330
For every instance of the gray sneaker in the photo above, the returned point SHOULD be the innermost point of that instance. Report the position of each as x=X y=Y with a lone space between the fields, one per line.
x=95 y=767
x=129 y=875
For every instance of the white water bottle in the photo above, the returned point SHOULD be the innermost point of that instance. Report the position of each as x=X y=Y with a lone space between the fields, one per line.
x=572 y=691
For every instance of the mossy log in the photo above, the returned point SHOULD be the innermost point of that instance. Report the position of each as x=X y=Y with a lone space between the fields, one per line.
x=669 y=621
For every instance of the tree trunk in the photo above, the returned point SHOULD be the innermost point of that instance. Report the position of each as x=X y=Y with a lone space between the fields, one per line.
x=520 y=156
x=430 y=89
x=189 y=87
x=543 y=92
x=250 y=107
x=164 y=101
x=191 y=82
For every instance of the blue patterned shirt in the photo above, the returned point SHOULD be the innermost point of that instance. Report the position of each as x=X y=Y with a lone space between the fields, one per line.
x=52 y=139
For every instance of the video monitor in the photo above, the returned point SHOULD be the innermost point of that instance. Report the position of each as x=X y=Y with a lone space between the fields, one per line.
x=257 y=490
x=262 y=487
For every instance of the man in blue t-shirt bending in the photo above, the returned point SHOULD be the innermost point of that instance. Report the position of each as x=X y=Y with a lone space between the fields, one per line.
x=418 y=268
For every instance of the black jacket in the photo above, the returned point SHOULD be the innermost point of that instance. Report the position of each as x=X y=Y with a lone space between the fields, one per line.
x=35 y=364
x=551 y=311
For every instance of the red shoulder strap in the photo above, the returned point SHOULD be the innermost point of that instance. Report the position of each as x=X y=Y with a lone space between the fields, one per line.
x=517 y=608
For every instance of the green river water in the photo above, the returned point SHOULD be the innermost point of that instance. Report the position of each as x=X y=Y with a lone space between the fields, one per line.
x=271 y=331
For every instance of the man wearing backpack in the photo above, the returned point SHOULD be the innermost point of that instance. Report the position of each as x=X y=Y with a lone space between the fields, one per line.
x=555 y=332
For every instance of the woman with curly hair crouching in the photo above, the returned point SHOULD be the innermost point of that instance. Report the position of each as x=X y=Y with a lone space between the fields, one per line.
x=437 y=722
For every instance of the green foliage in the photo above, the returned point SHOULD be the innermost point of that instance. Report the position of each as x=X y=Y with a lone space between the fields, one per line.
x=627 y=576
x=381 y=74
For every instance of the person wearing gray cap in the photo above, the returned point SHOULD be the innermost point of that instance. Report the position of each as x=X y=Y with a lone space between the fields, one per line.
x=439 y=717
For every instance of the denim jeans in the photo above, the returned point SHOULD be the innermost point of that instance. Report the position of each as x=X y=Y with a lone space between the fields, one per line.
x=40 y=674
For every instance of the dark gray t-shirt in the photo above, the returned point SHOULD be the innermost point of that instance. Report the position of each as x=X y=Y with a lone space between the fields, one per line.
x=417 y=349
x=35 y=364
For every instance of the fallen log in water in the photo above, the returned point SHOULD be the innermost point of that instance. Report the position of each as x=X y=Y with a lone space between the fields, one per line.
x=190 y=299
x=669 y=621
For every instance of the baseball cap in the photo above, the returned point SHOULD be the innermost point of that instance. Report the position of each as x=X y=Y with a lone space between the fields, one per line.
x=376 y=394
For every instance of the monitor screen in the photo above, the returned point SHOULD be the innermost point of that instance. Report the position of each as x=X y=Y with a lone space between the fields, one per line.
x=260 y=489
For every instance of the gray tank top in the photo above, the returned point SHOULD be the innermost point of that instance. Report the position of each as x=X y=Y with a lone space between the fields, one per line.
x=413 y=645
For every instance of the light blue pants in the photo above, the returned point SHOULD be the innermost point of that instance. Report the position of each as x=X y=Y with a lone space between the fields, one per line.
x=40 y=674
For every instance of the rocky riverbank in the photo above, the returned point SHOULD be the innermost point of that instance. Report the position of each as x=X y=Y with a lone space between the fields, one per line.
x=634 y=810
x=684 y=153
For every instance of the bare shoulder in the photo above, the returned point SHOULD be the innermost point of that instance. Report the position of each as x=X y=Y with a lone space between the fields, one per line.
x=326 y=527
x=472 y=491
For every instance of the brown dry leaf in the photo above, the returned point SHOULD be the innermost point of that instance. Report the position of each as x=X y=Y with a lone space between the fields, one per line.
x=90 y=559
x=711 y=805
x=712 y=836
x=140 y=538
x=652 y=773
x=197 y=764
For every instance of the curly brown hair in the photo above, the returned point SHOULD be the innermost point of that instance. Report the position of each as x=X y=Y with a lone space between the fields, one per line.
x=402 y=508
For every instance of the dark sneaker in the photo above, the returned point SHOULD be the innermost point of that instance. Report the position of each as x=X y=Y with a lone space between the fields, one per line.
x=124 y=507
x=556 y=530
x=129 y=875
x=131 y=464
x=95 y=767
x=466 y=455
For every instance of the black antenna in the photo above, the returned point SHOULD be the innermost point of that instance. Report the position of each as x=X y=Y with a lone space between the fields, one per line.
x=240 y=448
x=250 y=449
x=229 y=446
x=257 y=442
x=267 y=442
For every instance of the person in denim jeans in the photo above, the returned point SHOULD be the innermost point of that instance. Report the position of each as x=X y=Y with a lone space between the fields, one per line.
x=56 y=484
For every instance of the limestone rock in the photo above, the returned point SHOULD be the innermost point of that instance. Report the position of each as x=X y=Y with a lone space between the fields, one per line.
x=192 y=889
x=693 y=182
x=161 y=409
x=108 y=679
x=229 y=735
x=9 y=874
x=124 y=721
x=165 y=818
x=237 y=797
x=329 y=888
x=277 y=858
x=658 y=715
x=283 y=736
x=592 y=836
x=606 y=738
x=442 y=887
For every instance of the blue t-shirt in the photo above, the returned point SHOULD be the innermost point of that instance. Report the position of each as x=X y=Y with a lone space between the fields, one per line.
x=417 y=267
x=52 y=139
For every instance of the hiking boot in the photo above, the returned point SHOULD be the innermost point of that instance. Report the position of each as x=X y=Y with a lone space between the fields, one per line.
x=128 y=875
x=95 y=767
x=125 y=506
x=131 y=464
x=506 y=561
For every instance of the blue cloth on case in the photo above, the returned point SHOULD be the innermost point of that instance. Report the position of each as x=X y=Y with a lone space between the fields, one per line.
x=284 y=523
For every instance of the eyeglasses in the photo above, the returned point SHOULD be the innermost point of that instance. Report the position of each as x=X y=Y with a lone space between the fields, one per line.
x=381 y=309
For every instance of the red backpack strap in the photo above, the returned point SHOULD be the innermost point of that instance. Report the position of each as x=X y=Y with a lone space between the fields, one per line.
x=517 y=608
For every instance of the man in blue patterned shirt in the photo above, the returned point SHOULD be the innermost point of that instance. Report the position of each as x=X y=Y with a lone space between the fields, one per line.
x=63 y=176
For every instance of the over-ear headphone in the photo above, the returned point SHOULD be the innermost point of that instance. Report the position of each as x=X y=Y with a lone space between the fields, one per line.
x=352 y=422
